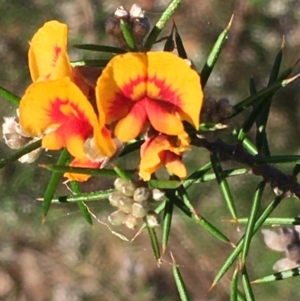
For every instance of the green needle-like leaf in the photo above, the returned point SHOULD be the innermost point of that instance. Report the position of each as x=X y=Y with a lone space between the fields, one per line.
x=82 y=206
x=212 y=176
x=252 y=218
x=127 y=33
x=164 y=184
x=89 y=171
x=211 y=126
x=224 y=187
x=165 y=17
x=187 y=201
x=21 y=152
x=179 y=282
x=262 y=95
x=279 y=276
x=277 y=159
x=122 y=173
x=247 y=286
x=93 y=63
x=235 y=253
x=179 y=44
x=195 y=176
x=241 y=297
x=83 y=197
x=168 y=213
x=262 y=118
x=154 y=242
x=100 y=48
x=273 y=221
x=201 y=221
x=247 y=144
x=170 y=45
x=296 y=170
x=14 y=99
x=54 y=181
x=214 y=54
x=234 y=285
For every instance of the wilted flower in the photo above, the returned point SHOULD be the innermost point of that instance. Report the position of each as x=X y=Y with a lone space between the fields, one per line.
x=286 y=240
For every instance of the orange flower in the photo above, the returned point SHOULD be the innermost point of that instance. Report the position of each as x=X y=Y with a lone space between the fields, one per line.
x=157 y=88
x=60 y=111
x=162 y=150
x=55 y=105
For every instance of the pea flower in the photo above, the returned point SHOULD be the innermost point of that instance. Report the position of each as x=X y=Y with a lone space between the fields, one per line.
x=56 y=105
x=154 y=88
x=286 y=240
x=162 y=150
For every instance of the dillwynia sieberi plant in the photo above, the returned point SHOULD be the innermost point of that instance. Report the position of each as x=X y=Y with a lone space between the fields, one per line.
x=94 y=112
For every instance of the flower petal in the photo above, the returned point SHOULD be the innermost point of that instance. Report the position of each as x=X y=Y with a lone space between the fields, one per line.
x=121 y=83
x=171 y=79
x=59 y=110
x=86 y=163
x=157 y=151
x=162 y=120
x=174 y=164
x=132 y=124
x=48 y=58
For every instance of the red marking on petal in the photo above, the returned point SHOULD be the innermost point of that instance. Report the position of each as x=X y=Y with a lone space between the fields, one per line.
x=128 y=89
x=57 y=52
x=62 y=110
x=167 y=96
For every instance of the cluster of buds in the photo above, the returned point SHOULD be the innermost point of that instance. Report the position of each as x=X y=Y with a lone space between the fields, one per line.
x=288 y=241
x=15 y=138
x=136 y=20
x=134 y=204
x=216 y=111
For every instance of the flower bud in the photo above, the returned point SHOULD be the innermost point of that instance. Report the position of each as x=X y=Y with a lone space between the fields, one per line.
x=12 y=133
x=128 y=188
x=141 y=194
x=117 y=218
x=131 y=222
x=125 y=204
x=119 y=182
x=209 y=106
x=152 y=219
x=114 y=198
x=112 y=27
x=139 y=210
x=140 y=28
x=225 y=109
x=121 y=13
x=136 y=11
x=158 y=195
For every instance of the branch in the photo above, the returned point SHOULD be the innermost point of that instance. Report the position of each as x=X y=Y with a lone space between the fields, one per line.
x=279 y=181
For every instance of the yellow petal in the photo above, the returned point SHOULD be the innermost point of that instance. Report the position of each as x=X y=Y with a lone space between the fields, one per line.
x=60 y=110
x=157 y=151
x=48 y=58
x=170 y=79
x=122 y=82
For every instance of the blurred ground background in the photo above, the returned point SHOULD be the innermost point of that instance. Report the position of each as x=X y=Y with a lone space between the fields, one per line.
x=66 y=260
